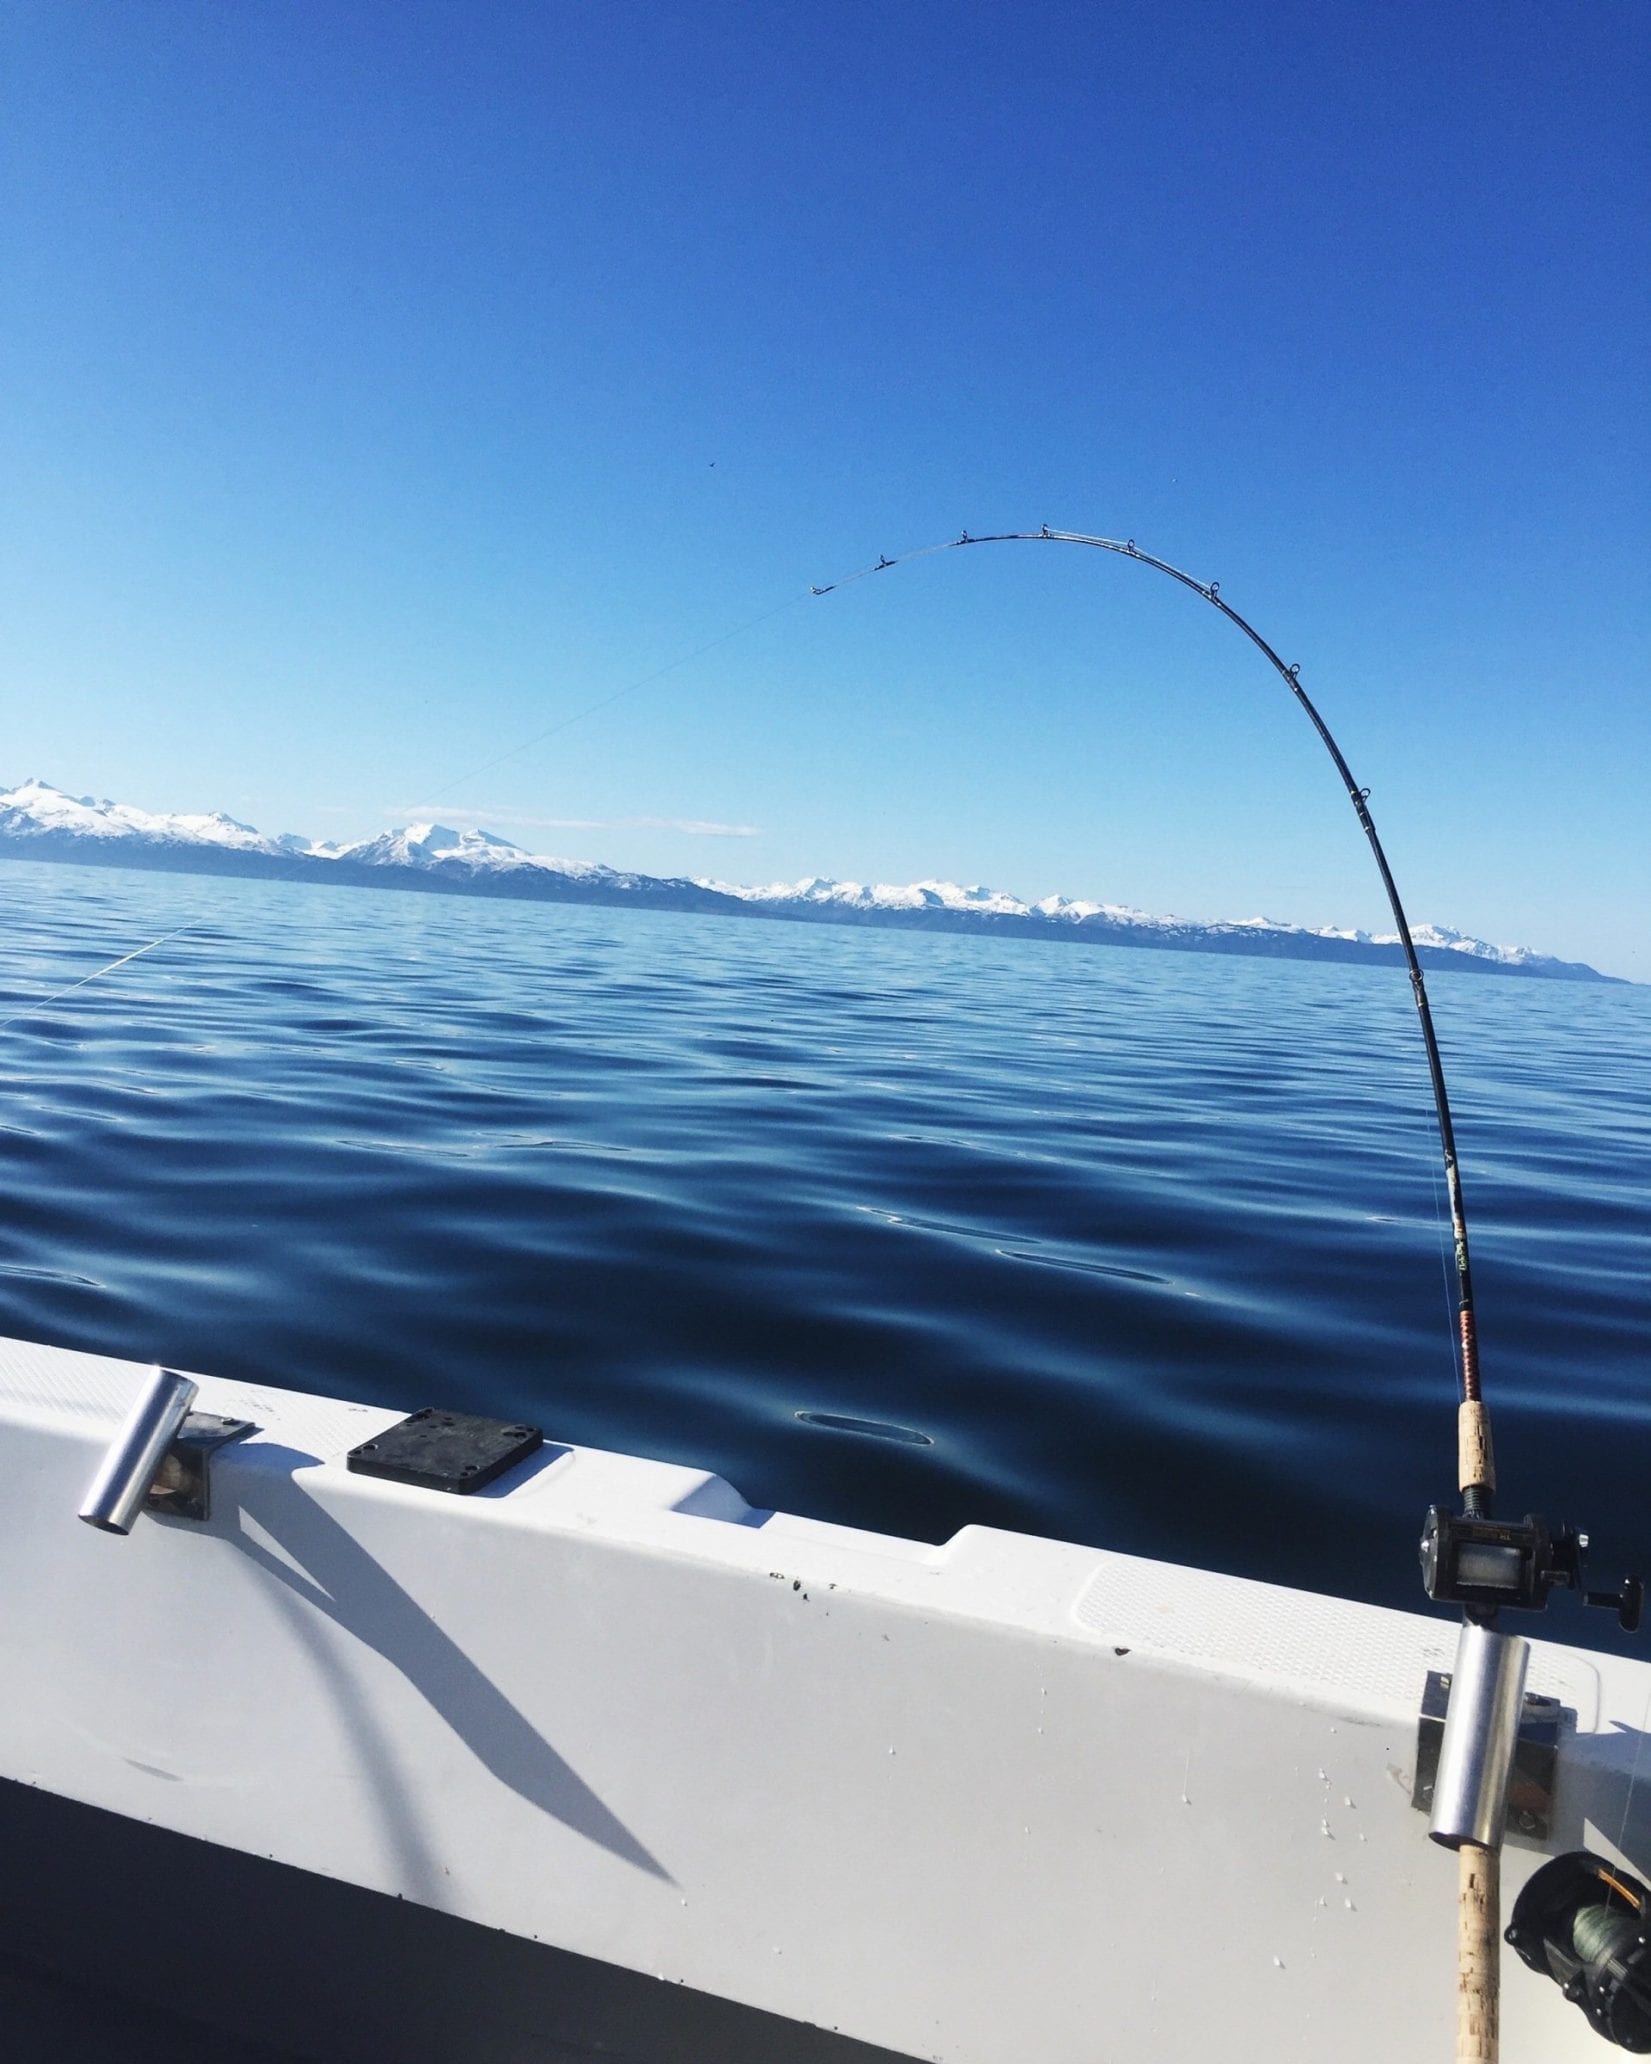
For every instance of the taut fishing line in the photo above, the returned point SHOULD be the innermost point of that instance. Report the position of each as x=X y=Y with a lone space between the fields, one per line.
x=486 y=767
x=97 y=974
x=607 y=701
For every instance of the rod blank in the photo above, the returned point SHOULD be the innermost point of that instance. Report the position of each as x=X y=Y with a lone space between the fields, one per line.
x=136 y=1453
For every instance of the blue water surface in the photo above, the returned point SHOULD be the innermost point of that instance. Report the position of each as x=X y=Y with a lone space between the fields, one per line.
x=1132 y=1248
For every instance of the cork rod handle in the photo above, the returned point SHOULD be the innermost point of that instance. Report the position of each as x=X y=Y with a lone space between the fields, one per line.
x=1478 y=1946
x=1475 y=1464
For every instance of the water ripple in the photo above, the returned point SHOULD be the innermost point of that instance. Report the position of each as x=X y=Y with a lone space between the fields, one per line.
x=1129 y=1248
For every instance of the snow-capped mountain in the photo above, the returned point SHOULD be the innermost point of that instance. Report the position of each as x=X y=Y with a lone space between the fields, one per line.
x=34 y=809
x=819 y=894
x=926 y=895
x=41 y=822
x=427 y=845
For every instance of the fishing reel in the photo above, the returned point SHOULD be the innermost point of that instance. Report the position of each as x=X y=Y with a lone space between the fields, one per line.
x=1483 y=1564
x=1586 y=1924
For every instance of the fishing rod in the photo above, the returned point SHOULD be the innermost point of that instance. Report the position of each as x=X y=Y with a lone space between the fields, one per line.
x=1477 y=1469
x=1469 y=1559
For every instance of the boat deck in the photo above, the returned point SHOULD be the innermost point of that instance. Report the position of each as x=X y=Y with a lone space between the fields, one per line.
x=49 y=2019
x=143 y=1946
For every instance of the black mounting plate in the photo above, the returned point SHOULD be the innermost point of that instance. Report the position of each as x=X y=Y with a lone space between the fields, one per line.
x=445 y=1451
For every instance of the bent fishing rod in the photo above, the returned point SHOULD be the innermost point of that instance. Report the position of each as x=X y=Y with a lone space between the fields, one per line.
x=1476 y=1464
x=1469 y=1559
x=1488 y=1582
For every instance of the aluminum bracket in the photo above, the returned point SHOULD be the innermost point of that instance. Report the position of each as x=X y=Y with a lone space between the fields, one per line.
x=183 y=1484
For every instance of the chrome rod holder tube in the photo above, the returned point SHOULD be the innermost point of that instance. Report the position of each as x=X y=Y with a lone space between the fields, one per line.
x=135 y=1455
x=1487 y=1693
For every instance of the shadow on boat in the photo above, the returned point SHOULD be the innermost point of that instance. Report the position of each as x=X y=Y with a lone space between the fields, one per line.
x=304 y=1549
x=1606 y=1799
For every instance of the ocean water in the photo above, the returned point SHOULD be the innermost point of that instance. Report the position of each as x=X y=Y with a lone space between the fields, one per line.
x=1131 y=1248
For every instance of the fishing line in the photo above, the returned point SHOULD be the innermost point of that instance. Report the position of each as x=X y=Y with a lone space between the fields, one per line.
x=1475 y=1450
x=1475 y=1468
x=683 y=659
x=526 y=745
x=631 y=687
x=498 y=760
x=97 y=974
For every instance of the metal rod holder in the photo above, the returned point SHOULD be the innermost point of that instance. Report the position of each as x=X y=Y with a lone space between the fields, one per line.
x=1487 y=1691
x=118 y=1490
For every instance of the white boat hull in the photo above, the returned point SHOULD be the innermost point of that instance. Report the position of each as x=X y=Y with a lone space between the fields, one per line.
x=996 y=1801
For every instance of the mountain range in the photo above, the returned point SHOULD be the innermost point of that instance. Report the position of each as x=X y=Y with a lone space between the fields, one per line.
x=40 y=822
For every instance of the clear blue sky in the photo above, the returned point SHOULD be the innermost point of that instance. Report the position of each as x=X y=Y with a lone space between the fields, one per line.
x=382 y=383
